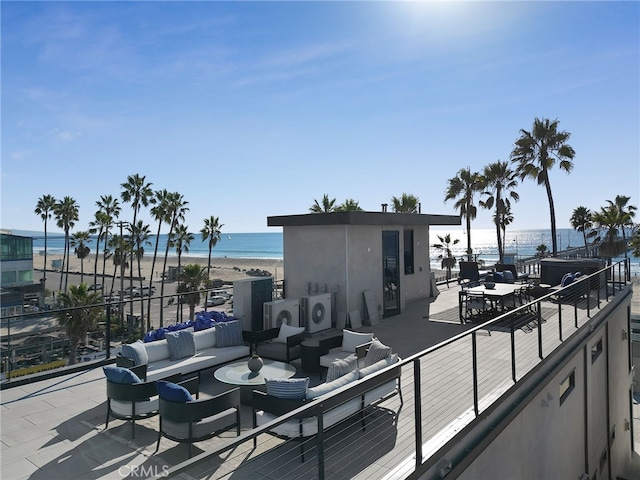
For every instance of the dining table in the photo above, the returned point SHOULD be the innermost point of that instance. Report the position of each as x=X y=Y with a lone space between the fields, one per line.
x=497 y=294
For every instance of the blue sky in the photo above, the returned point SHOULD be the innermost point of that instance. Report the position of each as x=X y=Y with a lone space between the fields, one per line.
x=256 y=109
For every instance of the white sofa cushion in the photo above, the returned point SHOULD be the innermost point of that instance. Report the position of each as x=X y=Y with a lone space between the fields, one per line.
x=156 y=351
x=291 y=428
x=207 y=358
x=205 y=338
x=385 y=362
x=327 y=387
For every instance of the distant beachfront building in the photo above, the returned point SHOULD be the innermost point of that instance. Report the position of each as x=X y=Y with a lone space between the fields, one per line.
x=349 y=253
x=16 y=272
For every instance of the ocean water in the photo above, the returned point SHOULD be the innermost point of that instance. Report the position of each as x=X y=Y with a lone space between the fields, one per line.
x=523 y=243
x=232 y=245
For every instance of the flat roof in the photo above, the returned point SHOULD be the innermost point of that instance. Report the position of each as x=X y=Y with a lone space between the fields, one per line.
x=362 y=218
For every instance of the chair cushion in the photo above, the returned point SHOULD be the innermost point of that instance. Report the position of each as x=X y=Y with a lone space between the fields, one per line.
x=136 y=351
x=508 y=276
x=341 y=367
x=229 y=334
x=143 y=407
x=181 y=343
x=120 y=375
x=287 y=331
x=202 y=428
x=173 y=392
x=350 y=340
x=498 y=277
x=377 y=351
x=295 y=388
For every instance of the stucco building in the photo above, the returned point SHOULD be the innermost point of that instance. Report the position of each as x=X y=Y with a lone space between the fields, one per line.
x=349 y=253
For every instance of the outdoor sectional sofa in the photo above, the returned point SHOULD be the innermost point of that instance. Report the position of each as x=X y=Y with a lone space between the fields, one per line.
x=186 y=351
x=336 y=400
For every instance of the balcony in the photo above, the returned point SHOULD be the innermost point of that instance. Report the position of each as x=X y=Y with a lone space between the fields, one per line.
x=456 y=377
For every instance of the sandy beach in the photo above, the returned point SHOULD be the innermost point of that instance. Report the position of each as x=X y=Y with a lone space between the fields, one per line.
x=226 y=269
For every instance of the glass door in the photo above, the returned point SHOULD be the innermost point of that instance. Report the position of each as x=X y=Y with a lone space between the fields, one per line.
x=391 y=272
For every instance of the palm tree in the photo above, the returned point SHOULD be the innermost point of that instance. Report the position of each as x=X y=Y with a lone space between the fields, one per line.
x=349 y=205
x=499 y=181
x=160 y=213
x=119 y=245
x=327 y=206
x=97 y=227
x=464 y=187
x=79 y=240
x=627 y=216
x=504 y=219
x=192 y=278
x=45 y=208
x=536 y=152
x=609 y=219
x=407 y=203
x=137 y=192
x=140 y=237
x=176 y=207
x=78 y=321
x=180 y=239
x=211 y=231
x=581 y=221
x=634 y=241
x=66 y=212
x=447 y=259
x=108 y=211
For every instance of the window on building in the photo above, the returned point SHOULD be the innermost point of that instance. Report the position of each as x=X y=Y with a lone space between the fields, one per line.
x=567 y=386
x=596 y=350
x=408 y=252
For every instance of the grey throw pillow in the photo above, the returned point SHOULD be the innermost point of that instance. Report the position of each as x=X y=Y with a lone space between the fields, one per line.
x=181 y=344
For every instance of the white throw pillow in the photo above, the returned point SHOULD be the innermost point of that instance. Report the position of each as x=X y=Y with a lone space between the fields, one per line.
x=287 y=331
x=350 y=340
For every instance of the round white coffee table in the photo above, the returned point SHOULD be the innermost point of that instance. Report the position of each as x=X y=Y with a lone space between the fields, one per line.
x=238 y=374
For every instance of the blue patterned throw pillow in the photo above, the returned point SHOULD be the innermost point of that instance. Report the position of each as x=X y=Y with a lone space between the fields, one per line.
x=229 y=334
x=181 y=344
x=293 y=388
x=136 y=351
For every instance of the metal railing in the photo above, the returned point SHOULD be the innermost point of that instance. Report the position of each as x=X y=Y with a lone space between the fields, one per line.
x=22 y=353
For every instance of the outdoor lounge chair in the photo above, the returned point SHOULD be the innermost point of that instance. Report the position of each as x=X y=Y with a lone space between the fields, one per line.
x=133 y=401
x=283 y=347
x=510 y=267
x=190 y=421
x=469 y=275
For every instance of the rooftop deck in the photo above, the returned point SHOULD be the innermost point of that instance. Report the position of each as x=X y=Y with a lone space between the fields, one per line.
x=54 y=429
